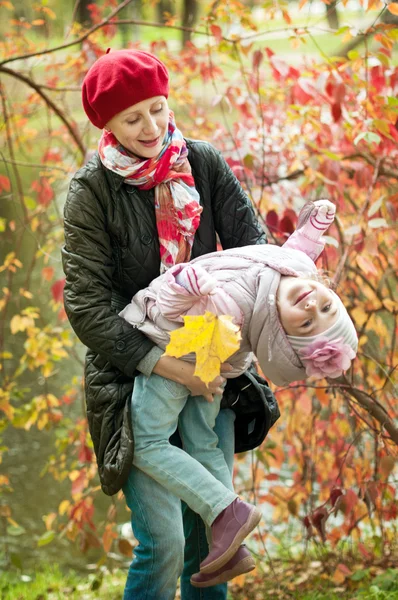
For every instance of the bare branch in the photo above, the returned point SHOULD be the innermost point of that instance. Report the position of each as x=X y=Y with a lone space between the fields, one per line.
x=69 y=44
x=50 y=103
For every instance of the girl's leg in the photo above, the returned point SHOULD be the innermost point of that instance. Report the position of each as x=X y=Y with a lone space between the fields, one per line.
x=196 y=427
x=156 y=405
x=196 y=547
x=158 y=529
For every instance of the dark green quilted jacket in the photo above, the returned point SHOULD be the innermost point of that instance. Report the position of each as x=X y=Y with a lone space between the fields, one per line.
x=111 y=251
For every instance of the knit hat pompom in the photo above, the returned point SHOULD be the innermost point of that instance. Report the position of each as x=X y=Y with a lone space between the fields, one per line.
x=120 y=79
x=329 y=353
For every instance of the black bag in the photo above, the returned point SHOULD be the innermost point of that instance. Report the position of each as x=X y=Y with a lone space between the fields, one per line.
x=255 y=406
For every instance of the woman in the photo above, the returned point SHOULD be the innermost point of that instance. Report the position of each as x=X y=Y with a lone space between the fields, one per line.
x=147 y=200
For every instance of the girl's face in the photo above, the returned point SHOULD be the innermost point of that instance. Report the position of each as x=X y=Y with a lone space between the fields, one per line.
x=141 y=128
x=306 y=307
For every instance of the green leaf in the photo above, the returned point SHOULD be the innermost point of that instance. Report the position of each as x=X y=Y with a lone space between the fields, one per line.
x=376 y=223
x=360 y=574
x=2 y=224
x=30 y=202
x=15 y=530
x=353 y=54
x=332 y=155
x=46 y=538
x=375 y=206
x=368 y=136
x=16 y=560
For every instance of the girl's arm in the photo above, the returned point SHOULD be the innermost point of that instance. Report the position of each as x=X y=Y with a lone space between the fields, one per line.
x=188 y=287
x=314 y=220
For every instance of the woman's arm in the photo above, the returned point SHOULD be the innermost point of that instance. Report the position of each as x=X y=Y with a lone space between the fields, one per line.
x=89 y=267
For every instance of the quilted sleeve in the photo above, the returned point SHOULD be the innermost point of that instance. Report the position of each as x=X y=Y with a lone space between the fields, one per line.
x=88 y=266
x=234 y=218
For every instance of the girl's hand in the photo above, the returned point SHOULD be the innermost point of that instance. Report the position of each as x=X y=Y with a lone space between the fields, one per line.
x=182 y=372
x=316 y=218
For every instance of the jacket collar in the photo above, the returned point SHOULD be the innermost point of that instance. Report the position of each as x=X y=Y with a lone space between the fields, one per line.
x=115 y=181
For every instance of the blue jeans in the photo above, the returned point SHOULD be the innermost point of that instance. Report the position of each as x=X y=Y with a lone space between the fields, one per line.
x=160 y=527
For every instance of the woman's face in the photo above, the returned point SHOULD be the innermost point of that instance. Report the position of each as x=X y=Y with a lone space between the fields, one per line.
x=306 y=307
x=141 y=128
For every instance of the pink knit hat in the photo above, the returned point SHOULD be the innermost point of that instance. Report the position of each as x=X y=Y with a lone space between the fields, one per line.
x=120 y=79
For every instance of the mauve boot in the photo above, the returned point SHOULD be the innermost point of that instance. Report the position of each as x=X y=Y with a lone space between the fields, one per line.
x=228 y=531
x=241 y=562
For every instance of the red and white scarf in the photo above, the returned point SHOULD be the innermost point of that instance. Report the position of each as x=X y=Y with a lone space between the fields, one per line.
x=177 y=206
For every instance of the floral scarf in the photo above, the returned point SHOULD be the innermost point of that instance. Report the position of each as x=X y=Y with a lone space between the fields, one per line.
x=177 y=204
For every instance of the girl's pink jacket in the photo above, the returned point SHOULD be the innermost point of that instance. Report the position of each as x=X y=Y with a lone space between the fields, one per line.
x=246 y=284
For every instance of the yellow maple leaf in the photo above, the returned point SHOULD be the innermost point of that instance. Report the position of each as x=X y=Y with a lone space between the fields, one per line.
x=213 y=339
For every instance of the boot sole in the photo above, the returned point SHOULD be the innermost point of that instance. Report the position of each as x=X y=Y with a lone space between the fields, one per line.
x=243 y=566
x=251 y=523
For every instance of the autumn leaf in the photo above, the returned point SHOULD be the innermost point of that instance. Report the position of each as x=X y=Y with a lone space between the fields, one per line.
x=5 y=185
x=393 y=8
x=213 y=339
x=57 y=290
x=387 y=464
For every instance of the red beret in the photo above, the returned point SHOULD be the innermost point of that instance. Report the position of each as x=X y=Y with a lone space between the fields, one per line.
x=120 y=79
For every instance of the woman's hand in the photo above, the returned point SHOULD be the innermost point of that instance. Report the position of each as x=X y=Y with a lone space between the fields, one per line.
x=183 y=372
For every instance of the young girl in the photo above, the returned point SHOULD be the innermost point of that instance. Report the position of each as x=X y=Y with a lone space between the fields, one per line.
x=295 y=326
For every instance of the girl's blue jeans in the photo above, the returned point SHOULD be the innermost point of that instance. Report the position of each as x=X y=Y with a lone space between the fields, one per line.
x=171 y=538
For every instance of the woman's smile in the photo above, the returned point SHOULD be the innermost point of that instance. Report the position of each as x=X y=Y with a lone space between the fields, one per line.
x=150 y=143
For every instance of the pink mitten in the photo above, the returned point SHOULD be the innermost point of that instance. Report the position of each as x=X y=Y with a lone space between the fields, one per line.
x=196 y=280
x=315 y=218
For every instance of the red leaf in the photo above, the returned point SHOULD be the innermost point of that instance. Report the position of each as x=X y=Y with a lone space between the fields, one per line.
x=362 y=549
x=334 y=495
x=290 y=214
x=286 y=225
x=330 y=169
x=79 y=483
x=52 y=156
x=44 y=191
x=336 y=112
x=269 y=52
x=57 y=290
x=319 y=518
x=5 y=185
x=348 y=501
x=339 y=93
x=217 y=32
x=258 y=58
x=272 y=220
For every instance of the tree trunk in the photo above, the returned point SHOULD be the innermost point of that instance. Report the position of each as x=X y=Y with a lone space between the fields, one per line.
x=83 y=14
x=162 y=7
x=189 y=18
x=332 y=15
x=131 y=32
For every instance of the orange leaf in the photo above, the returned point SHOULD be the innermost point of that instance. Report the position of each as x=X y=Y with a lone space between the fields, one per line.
x=387 y=464
x=47 y=273
x=393 y=8
x=5 y=185
x=365 y=265
x=125 y=547
x=341 y=573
